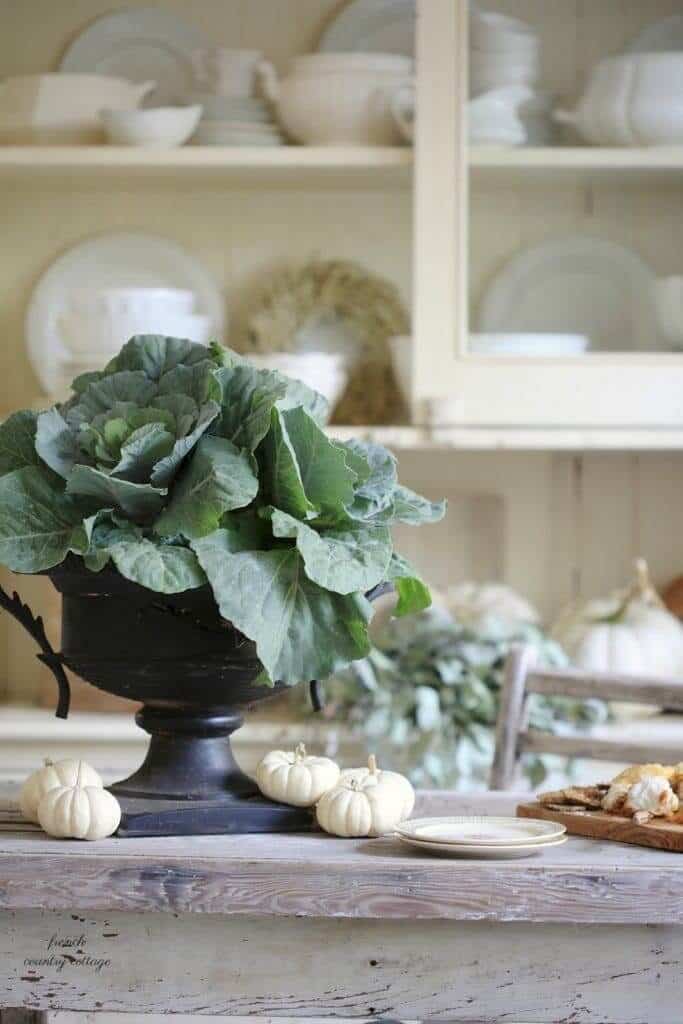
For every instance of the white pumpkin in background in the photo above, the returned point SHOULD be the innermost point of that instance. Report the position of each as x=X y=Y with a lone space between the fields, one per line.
x=631 y=632
x=366 y=802
x=482 y=606
x=51 y=775
x=79 y=812
x=295 y=777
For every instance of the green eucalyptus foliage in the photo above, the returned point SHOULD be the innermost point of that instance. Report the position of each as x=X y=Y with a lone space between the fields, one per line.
x=180 y=466
x=426 y=698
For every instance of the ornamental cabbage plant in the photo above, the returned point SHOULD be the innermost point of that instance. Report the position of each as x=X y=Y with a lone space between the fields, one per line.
x=180 y=466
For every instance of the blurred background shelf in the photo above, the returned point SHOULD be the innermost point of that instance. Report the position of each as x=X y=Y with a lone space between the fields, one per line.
x=608 y=164
x=514 y=439
x=324 y=166
x=329 y=166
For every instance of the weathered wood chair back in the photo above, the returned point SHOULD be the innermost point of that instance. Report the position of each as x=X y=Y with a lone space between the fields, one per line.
x=514 y=737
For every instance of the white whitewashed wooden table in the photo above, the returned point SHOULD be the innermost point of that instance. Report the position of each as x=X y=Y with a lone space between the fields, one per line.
x=310 y=926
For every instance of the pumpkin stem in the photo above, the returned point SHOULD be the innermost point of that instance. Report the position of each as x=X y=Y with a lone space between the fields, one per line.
x=78 y=775
x=47 y=762
x=643 y=587
x=372 y=764
x=299 y=752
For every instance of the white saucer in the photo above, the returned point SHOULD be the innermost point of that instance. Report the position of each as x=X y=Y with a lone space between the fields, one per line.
x=489 y=831
x=483 y=852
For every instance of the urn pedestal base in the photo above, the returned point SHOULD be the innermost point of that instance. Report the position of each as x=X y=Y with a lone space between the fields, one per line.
x=231 y=816
x=190 y=784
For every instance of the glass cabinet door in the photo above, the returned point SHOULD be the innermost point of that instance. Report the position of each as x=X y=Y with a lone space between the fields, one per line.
x=547 y=220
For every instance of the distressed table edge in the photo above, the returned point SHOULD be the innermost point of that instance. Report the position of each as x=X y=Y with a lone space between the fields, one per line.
x=494 y=892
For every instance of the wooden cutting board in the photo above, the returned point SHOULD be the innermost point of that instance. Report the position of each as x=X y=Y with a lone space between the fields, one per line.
x=662 y=835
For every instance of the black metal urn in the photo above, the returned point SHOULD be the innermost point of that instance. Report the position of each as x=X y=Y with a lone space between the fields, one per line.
x=194 y=675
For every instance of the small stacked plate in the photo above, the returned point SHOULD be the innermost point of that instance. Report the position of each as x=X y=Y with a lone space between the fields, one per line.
x=488 y=838
x=235 y=121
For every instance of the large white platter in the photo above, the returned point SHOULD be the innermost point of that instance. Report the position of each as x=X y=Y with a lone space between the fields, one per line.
x=575 y=285
x=119 y=259
x=141 y=44
x=488 y=830
x=372 y=26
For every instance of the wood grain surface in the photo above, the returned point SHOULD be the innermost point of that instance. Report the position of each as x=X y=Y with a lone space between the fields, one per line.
x=314 y=876
x=407 y=970
x=658 y=834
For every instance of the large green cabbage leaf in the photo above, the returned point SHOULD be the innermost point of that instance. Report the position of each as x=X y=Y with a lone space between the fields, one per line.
x=180 y=467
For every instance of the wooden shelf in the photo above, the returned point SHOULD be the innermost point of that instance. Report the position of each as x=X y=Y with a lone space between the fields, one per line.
x=515 y=438
x=330 y=166
x=292 y=166
x=530 y=162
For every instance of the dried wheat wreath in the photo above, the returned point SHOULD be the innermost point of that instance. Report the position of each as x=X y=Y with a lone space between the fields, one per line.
x=370 y=305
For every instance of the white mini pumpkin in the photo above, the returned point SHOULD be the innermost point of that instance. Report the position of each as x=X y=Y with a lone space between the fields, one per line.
x=630 y=632
x=481 y=606
x=79 y=812
x=51 y=775
x=366 y=802
x=295 y=777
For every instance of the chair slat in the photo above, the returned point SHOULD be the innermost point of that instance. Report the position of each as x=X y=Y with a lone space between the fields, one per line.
x=533 y=741
x=553 y=682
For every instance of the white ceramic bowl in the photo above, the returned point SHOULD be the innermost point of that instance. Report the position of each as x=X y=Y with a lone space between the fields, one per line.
x=528 y=344
x=400 y=348
x=131 y=301
x=85 y=334
x=632 y=100
x=62 y=108
x=345 y=100
x=159 y=126
x=325 y=372
x=494 y=117
x=668 y=298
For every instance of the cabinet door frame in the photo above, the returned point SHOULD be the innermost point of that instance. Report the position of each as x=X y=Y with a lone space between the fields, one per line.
x=603 y=389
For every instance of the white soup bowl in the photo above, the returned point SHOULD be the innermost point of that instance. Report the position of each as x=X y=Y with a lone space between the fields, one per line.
x=325 y=372
x=159 y=126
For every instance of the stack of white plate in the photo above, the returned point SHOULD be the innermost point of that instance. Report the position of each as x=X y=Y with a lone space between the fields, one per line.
x=235 y=121
x=488 y=838
x=503 y=51
x=95 y=323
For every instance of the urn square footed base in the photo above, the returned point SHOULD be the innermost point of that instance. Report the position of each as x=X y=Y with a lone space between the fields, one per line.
x=142 y=816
